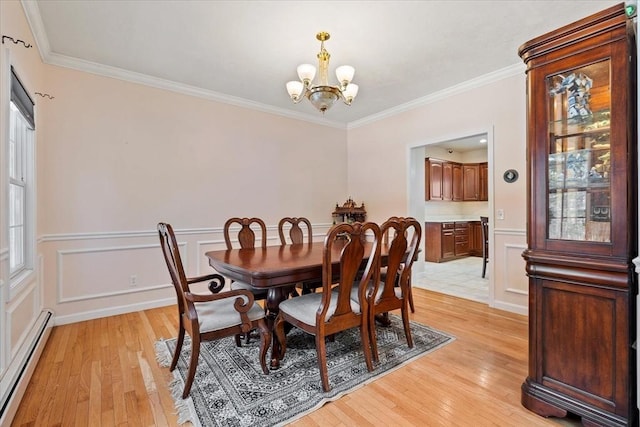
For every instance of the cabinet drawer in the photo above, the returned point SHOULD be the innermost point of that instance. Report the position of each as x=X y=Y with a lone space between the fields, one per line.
x=448 y=225
x=462 y=238
x=462 y=248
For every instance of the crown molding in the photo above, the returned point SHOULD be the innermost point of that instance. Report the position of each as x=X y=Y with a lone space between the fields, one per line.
x=34 y=19
x=474 y=83
x=158 y=83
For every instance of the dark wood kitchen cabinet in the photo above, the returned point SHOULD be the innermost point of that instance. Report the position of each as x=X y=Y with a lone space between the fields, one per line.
x=582 y=219
x=433 y=179
x=461 y=232
x=452 y=181
x=445 y=241
x=471 y=181
x=484 y=181
x=457 y=181
x=475 y=238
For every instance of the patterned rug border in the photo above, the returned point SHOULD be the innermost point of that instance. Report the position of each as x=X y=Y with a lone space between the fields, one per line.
x=186 y=410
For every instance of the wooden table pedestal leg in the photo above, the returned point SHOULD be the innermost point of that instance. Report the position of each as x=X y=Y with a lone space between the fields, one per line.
x=274 y=297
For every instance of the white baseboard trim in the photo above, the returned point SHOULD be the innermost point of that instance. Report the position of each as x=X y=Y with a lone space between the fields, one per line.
x=513 y=308
x=112 y=311
x=20 y=370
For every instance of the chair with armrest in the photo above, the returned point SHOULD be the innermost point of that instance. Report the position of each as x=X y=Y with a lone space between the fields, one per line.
x=393 y=291
x=209 y=317
x=328 y=312
x=484 y=222
x=291 y=228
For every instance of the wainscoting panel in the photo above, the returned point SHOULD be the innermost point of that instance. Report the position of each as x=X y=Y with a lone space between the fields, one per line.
x=102 y=272
x=20 y=315
x=92 y=275
x=204 y=246
x=510 y=285
x=513 y=269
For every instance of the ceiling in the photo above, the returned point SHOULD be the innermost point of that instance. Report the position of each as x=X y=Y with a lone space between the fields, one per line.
x=462 y=145
x=243 y=52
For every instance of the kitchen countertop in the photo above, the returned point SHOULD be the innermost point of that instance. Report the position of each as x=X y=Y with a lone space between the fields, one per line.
x=466 y=219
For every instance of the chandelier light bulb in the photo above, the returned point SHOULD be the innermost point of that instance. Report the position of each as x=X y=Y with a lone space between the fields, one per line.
x=306 y=72
x=345 y=74
x=350 y=92
x=295 y=88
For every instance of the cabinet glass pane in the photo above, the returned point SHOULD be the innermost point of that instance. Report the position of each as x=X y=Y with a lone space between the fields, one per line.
x=579 y=154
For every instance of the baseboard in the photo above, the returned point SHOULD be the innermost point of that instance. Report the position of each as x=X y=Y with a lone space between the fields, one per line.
x=20 y=370
x=113 y=311
x=513 y=308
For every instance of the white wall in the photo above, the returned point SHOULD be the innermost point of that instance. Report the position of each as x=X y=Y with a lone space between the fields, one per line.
x=119 y=157
x=497 y=108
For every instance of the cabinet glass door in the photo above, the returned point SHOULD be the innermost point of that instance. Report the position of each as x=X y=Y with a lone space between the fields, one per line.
x=579 y=165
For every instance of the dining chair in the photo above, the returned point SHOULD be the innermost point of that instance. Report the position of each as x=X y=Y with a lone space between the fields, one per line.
x=484 y=222
x=393 y=291
x=246 y=237
x=328 y=312
x=291 y=231
x=383 y=271
x=209 y=317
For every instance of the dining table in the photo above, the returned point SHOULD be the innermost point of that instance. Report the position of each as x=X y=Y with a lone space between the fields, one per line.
x=277 y=268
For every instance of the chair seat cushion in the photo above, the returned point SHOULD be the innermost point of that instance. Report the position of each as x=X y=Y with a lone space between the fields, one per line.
x=354 y=293
x=257 y=292
x=305 y=307
x=220 y=314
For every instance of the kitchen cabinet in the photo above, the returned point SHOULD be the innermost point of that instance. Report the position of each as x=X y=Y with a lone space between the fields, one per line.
x=445 y=241
x=470 y=182
x=433 y=179
x=475 y=238
x=452 y=181
x=484 y=181
x=582 y=220
x=447 y=181
x=439 y=184
x=461 y=232
x=457 y=182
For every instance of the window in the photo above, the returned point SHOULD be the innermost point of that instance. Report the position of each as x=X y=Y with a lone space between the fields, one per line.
x=21 y=180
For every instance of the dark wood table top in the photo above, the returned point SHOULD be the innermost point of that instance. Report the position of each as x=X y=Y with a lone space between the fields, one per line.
x=274 y=265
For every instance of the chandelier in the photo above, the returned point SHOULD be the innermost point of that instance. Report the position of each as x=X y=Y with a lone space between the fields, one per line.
x=322 y=95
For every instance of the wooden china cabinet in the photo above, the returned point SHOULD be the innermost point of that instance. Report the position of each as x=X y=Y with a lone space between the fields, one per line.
x=582 y=182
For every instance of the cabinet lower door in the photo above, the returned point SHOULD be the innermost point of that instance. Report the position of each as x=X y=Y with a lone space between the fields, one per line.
x=581 y=348
x=448 y=244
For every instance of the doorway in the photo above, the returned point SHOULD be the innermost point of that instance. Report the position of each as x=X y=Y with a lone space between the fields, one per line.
x=460 y=277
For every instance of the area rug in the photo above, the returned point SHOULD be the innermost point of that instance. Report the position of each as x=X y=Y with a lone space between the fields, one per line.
x=230 y=389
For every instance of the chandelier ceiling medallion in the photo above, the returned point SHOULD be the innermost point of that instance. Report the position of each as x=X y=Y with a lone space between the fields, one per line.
x=322 y=95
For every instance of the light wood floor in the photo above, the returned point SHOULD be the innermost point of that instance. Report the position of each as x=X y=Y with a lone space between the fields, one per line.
x=103 y=373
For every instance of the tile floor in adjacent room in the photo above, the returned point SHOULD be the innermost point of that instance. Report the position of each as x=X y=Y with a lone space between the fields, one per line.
x=461 y=278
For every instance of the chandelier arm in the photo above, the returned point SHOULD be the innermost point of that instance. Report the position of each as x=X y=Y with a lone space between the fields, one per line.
x=347 y=102
x=302 y=96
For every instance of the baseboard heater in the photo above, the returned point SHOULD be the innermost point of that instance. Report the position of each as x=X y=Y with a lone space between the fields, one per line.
x=19 y=375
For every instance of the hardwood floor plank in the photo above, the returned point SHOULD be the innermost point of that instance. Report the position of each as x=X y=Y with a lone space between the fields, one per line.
x=95 y=394
x=103 y=372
